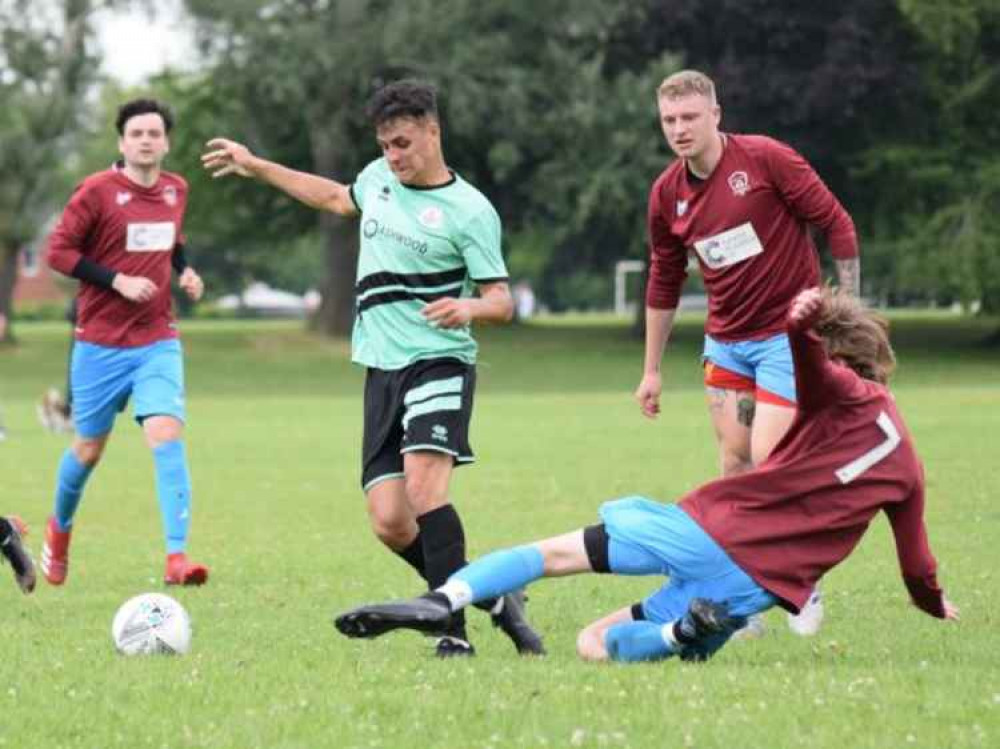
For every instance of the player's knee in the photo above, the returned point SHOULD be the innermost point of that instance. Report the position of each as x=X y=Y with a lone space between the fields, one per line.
x=392 y=529
x=88 y=452
x=735 y=462
x=590 y=645
x=161 y=429
x=394 y=535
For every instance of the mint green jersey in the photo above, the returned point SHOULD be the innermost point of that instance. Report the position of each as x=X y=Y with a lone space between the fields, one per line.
x=418 y=245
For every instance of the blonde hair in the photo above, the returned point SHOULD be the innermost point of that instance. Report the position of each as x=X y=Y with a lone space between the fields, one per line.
x=856 y=335
x=685 y=83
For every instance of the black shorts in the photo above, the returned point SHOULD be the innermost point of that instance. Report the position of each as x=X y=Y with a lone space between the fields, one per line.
x=425 y=406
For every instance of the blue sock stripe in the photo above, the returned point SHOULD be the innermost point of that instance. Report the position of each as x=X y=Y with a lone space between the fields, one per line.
x=173 y=489
x=501 y=572
x=70 y=480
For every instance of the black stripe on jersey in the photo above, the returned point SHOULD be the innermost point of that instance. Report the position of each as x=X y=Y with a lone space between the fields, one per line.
x=387 y=297
x=498 y=279
x=415 y=280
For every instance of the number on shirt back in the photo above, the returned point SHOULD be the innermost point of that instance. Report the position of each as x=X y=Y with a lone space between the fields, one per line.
x=847 y=473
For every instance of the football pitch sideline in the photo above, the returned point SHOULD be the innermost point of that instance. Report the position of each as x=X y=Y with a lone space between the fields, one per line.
x=273 y=436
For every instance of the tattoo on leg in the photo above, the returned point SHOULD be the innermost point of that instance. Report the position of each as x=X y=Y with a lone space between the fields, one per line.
x=745 y=409
x=716 y=398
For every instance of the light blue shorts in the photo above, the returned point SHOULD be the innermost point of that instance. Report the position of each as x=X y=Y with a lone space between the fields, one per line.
x=650 y=538
x=104 y=378
x=767 y=363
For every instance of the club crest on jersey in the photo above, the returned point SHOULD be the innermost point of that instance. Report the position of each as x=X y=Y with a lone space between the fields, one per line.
x=431 y=217
x=682 y=207
x=170 y=195
x=739 y=183
x=123 y=197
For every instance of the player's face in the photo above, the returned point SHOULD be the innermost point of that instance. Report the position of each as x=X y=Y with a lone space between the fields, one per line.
x=690 y=124
x=412 y=148
x=144 y=142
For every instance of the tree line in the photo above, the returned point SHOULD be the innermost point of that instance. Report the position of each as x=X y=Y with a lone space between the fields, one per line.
x=548 y=107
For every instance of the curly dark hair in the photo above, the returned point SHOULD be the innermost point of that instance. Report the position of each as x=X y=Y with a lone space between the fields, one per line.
x=406 y=98
x=130 y=109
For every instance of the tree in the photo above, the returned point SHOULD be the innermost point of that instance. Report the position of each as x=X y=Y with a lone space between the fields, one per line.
x=938 y=177
x=44 y=72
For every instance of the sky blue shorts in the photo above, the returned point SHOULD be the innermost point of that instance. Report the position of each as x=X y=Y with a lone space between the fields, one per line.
x=767 y=363
x=650 y=538
x=104 y=378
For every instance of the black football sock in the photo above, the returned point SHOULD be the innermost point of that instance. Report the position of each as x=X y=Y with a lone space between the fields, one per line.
x=413 y=555
x=444 y=552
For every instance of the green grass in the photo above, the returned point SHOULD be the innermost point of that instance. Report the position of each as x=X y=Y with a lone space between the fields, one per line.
x=274 y=440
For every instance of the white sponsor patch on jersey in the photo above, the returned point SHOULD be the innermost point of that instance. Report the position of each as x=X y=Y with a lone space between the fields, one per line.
x=158 y=236
x=729 y=247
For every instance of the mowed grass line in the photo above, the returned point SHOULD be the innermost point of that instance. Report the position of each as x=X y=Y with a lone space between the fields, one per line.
x=275 y=424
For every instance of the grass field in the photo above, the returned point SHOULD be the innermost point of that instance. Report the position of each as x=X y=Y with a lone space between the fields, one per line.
x=274 y=440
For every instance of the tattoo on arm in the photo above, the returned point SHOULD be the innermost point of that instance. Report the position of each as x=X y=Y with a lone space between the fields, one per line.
x=746 y=406
x=849 y=275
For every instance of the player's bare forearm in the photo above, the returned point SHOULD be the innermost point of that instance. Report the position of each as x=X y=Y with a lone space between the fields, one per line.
x=229 y=157
x=849 y=275
x=311 y=189
x=493 y=305
x=659 y=324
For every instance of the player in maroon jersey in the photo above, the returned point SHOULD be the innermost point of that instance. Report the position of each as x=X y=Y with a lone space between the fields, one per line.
x=738 y=545
x=121 y=235
x=742 y=205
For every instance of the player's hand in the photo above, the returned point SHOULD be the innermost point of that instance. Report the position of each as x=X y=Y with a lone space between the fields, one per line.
x=449 y=312
x=648 y=394
x=227 y=157
x=805 y=307
x=134 y=288
x=951 y=612
x=191 y=283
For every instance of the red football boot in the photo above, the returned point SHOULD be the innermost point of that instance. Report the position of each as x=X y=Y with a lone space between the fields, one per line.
x=182 y=572
x=55 y=553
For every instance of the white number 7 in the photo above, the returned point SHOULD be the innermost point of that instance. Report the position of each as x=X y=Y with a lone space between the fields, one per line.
x=859 y=465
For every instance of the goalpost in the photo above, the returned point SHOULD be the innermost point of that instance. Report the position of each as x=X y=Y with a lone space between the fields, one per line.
x=622 y=270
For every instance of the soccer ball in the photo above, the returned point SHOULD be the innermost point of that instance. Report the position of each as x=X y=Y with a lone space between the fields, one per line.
x=151 y=623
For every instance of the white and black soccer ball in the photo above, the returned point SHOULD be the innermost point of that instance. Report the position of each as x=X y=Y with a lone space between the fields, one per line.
x=151 y=623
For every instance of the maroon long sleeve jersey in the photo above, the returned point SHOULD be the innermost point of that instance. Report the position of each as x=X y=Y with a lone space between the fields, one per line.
x=846 y=456
x=130 y=229
x=747 y=224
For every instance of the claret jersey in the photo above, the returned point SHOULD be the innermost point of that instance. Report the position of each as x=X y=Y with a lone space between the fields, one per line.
x=418 y=245
x=846 y=457
x=747 y=225
x=131 y=229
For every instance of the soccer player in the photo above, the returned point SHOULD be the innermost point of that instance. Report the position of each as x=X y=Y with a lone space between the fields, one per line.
x=742 y=205
x=738 y=545
x=121 y=235
x=427 y=236
x=12 y=550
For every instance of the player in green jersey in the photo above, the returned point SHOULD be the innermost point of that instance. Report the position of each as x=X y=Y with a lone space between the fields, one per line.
x=428 y=239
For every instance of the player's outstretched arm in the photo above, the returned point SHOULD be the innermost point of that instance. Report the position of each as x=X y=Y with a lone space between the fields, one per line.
x=225 y=157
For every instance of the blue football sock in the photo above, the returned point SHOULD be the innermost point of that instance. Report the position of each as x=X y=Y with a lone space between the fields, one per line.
x=173 y=488
x=502 y=572
x=637 y=641
x=69 y=488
